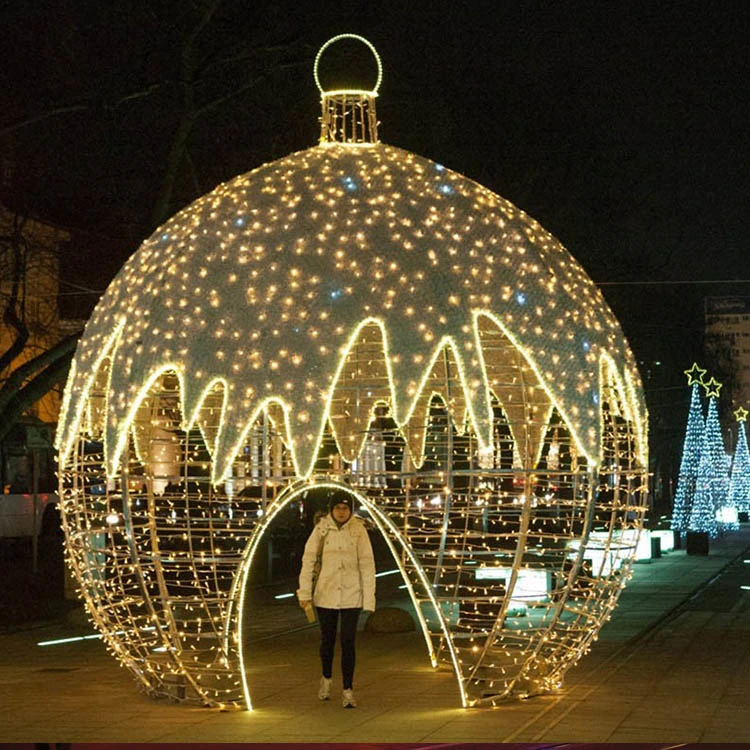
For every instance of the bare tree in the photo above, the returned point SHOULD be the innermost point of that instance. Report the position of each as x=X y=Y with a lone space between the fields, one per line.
x=33 y=358
x=141 y=128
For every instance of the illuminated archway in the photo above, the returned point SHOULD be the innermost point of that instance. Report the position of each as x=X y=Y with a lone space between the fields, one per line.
x=397 y=546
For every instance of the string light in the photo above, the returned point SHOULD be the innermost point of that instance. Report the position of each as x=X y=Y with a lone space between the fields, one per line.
x=353 y=316
x=691 y=450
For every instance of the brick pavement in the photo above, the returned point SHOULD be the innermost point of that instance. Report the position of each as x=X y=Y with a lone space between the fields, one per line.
x=685 y=680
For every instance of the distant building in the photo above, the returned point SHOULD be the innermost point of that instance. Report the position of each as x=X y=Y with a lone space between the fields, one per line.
x=39 y=292
x=727 y=322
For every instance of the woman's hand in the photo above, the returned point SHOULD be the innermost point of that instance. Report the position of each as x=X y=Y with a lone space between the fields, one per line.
x=304 y=602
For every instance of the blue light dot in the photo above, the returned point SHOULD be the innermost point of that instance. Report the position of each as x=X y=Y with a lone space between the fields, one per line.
x=240 y=222
x=595 y=397
x=336 y=293
x=446 y=189
x=439 y=168
x=164 y=237
x=521 y=298
x=586 y=346
x=349 y=184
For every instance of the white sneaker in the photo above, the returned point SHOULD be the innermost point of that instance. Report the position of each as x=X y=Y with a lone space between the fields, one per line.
x=324 y=691
x=348 y=699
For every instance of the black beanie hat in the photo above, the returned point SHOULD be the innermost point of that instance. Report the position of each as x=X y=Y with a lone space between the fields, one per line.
x=341 y=497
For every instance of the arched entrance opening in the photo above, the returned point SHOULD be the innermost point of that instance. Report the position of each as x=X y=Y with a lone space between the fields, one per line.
x=408 y=565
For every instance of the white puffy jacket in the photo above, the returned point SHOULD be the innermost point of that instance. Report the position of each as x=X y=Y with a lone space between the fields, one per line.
x=347 y=571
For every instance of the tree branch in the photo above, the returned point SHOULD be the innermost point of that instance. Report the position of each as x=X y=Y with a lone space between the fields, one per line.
x=205 y=20
x=247 y=54
x=10 y=315
x=65 y=109
x=245 y=87
x=54 y=112
x=12 y=387
x=34 y=390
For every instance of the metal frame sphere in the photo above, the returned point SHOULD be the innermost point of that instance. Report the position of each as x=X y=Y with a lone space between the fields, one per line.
x=367 y=320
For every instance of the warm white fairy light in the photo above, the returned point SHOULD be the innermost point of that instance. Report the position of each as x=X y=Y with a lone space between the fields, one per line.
x=257 y=339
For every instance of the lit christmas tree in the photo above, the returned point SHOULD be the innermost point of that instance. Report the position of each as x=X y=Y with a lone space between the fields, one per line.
x=712 y=484
x=739 y=482
x=683 y=501
x=703 y=511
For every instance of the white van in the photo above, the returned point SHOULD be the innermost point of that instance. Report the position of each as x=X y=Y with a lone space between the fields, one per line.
x=26 y=451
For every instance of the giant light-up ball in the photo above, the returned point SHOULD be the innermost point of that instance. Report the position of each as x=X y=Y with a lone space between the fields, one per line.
x=354 y=316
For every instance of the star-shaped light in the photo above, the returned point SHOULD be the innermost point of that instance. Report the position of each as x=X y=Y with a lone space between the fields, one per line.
x=695 y=374
x=712 y=387
x=740 y=414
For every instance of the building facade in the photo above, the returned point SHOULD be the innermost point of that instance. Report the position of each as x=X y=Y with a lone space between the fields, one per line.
x=36 y=270
x=727 y=327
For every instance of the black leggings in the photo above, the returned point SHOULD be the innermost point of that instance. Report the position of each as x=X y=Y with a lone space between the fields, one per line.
x=329 y=619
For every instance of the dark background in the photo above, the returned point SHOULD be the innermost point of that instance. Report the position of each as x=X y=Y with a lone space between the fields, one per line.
x=622 y=127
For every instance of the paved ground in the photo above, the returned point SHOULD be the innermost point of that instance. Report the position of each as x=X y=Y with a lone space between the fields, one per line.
x=666 y=668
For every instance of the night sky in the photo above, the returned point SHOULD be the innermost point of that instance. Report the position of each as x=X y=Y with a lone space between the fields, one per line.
x=622 y=127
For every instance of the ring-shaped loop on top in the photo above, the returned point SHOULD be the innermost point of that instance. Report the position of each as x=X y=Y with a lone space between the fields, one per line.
x=348 y=36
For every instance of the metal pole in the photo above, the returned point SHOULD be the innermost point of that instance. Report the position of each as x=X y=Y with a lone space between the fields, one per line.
x=35 y=500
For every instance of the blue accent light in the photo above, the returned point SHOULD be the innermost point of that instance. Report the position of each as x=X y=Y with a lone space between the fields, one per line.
x=240 y=222
x=446 y=189
x=386 y=573
x=439 y=168
x=520 y=298
x=164 y=237
x=595 y=398
x=336 y=293
x=586 y=346
x=349 y=184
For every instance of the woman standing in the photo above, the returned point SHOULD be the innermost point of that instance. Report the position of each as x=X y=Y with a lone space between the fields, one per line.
x=344 y=587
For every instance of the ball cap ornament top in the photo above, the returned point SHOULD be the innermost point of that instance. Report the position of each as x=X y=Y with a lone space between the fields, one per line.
x=348 y=115
x=357 y=318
